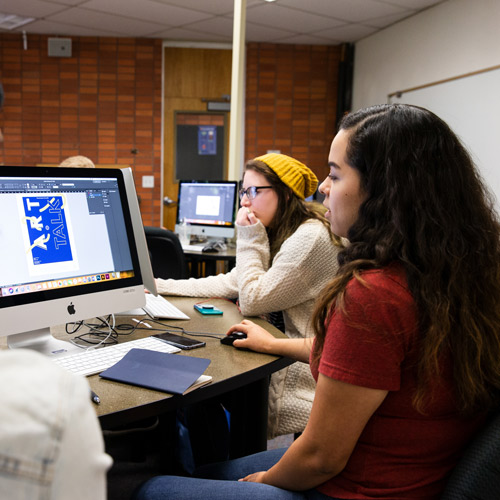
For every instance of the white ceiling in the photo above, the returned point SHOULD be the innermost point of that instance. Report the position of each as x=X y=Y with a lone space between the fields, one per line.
x=309 y=22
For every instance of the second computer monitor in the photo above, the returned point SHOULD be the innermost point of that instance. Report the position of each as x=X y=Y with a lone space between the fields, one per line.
x=208 y=206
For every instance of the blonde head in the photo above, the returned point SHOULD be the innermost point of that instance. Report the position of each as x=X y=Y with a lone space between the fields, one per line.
x=77 y=162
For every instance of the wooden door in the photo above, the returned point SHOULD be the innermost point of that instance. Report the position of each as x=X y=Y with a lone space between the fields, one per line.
x=191 y=76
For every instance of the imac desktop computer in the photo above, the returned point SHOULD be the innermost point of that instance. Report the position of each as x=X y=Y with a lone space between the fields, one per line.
x=209 y=207
x=68 y=251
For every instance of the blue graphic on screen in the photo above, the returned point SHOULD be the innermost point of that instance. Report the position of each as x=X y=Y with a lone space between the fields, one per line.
x=47 y=229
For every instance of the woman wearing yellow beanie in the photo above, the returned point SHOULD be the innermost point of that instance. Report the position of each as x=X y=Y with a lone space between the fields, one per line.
x=285 y=255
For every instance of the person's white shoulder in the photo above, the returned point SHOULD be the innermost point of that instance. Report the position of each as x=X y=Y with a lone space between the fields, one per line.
x=311 y=235
x=31 y=373
x=49 y=426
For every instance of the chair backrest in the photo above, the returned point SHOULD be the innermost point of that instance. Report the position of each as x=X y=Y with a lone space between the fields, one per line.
x=165 y=250
x=477 y=475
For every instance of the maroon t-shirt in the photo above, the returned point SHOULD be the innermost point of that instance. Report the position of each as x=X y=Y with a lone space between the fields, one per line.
x=401 y=453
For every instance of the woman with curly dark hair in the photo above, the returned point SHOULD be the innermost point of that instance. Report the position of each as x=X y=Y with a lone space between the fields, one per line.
x=407 y=347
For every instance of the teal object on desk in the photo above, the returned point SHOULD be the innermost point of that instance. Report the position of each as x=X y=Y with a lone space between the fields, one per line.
x=207 y=309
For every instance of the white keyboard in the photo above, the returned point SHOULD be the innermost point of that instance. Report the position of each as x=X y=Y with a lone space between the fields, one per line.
x=93 y=361
x=160 y=307
x=193 y=248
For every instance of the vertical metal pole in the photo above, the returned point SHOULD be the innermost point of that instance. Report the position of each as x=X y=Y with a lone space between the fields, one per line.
x=237 y=120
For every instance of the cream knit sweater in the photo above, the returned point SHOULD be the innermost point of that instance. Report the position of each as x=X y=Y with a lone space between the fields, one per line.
x=307 y=260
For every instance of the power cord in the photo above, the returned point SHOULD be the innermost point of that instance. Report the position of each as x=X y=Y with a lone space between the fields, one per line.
x=106 y=334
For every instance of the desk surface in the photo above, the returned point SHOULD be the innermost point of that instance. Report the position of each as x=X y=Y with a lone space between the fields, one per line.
x=230 y=368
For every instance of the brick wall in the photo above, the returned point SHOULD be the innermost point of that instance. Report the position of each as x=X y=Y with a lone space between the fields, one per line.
x=104 y=102
x=291 y=96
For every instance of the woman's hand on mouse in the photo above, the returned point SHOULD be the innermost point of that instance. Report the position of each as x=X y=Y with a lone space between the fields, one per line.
x=257 y=339
x=245 y=217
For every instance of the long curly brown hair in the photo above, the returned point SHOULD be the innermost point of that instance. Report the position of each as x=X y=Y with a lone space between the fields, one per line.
x=291 y=211
x=428 y=209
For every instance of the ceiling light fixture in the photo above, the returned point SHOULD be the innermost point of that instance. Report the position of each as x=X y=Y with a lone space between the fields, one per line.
x=11 y=21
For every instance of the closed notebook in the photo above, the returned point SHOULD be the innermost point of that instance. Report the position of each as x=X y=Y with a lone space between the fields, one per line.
x=160 y=371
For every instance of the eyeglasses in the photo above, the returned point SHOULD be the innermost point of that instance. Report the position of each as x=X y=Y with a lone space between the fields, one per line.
x=252 y=191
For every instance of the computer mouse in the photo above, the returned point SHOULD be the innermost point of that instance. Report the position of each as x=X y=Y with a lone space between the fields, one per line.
x=229 y=339
x=209 y=248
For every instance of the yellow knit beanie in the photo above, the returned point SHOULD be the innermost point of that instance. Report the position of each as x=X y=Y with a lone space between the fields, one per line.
x=292 y=172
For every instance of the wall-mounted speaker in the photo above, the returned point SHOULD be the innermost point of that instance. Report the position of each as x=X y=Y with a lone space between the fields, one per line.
x=59 y=47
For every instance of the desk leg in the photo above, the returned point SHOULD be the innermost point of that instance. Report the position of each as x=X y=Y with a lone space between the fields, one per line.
x=249 y=419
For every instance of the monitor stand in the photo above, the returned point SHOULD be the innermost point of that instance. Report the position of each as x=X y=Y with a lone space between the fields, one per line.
x=132 y=312
x=41 y=341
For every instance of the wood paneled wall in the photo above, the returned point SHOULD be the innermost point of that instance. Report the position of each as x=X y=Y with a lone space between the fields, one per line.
x=291 y=101
x=104 y=102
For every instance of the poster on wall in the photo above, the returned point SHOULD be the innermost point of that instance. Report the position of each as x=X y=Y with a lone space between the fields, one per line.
x=207 y=140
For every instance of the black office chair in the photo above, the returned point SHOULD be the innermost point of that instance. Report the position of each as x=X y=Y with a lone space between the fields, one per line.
x=477 y=475
x=165 y=250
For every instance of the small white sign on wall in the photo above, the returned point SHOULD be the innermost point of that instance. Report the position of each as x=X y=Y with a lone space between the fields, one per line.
x=148 y=181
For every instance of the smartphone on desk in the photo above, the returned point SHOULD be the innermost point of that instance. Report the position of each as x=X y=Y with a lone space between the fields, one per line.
x=207 y=309
x=180 y=341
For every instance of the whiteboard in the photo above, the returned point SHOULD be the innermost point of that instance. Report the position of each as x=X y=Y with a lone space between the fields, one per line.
x=471 y=107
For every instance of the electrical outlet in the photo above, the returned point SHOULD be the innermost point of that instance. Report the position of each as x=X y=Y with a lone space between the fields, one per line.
x=148 y=181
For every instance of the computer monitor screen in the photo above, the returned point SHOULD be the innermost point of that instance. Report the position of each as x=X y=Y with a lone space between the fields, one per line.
x=68 y=251
x=208 y=206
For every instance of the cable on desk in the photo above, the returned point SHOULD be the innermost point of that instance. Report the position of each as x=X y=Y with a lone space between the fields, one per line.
x=105 y=334
x=180 y=329
x=100 y=334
